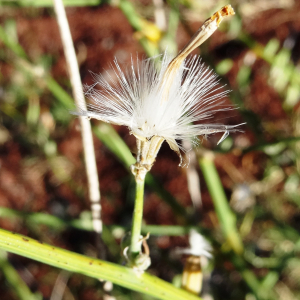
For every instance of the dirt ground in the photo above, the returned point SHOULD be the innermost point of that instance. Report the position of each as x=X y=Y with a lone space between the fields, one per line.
x=100 y=34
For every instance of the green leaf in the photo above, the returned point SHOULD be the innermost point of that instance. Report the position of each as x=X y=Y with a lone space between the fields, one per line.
x=91 y=267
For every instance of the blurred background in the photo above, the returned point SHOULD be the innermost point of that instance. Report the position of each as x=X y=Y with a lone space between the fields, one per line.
x=43 y=189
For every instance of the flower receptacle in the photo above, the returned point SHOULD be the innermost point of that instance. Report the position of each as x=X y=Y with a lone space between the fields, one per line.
x=147 y=150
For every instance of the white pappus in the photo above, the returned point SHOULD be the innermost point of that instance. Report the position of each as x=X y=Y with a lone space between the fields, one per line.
x=138 y=101
x=165 y=103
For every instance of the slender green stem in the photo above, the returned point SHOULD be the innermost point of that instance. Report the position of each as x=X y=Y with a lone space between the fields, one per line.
x=111 y=139
x=91 y=267
x=58 y=224
x=227 y=219
x=14 y=279
x=135 y=246
x=225 y=215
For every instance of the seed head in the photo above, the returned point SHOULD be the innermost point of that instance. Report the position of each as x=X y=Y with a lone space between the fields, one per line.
x=162 y=104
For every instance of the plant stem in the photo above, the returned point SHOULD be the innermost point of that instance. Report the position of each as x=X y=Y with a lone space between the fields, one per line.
x=225 y=215
x=58 y=224
x=86 y=131
x=14 y=279
x=135 y=246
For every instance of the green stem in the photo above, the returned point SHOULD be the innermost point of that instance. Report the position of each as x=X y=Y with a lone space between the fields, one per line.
x=135 y=246
x=58 y=224
x=14 y=279
x=111 y=139
x=91 y=267
x=227 y=219
x=225 y=215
